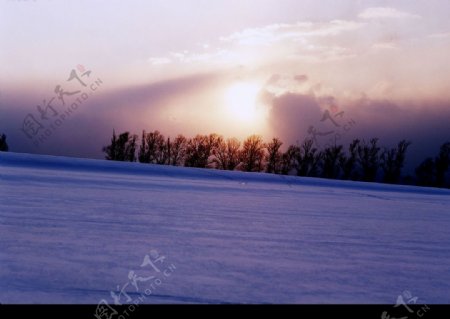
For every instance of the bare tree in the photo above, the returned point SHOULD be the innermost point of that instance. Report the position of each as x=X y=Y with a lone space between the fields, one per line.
x=308 y=159
x=3 y=145
x=212 y=145
x=274 y=156
x=162 y=148
x=392 y=161
x=432 y=172
x=227 y=153
x=252 y=154
x=368 y=158
x=197 y=151
x=348 y=163
x=233 y=150
x=144 y=155
x=153 y=148
x=331 y=158
x=177 y=151
x=442 y=163
x=425 y=173
x=220 y=154
x=289 y=159
x=122 y=148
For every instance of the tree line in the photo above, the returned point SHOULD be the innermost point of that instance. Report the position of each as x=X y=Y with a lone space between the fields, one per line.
x=361 y=161
x=3 y=145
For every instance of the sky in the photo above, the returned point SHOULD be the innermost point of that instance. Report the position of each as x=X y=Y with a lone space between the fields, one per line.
x=72 y=71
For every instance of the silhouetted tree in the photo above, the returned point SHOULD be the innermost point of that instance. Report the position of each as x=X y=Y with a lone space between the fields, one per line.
x=233 y=150
x=131 y=148
x=308 y=159
x=368 y=158
x=110 y=150
x=122 y=148
x=167 y=151
x=177 y=151
x=162 y=154
x=331 y=158
x=361 y=162
x=220 y=155
x=442 y=163
x=3 y=145
x=126 y=144
x=227 y=153
x=200 y=148
x=153 y=148
x=212 y=145
x=432 y=172
x=392 y=161
x=274 y=156
x=425 y=173
x=144 y=155
x=159 y=147
x=349 y=163
x=252 y=154
x=197 y=151
x=289 y=159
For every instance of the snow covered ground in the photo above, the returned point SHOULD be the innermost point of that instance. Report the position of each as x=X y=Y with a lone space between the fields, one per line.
x=73 y=230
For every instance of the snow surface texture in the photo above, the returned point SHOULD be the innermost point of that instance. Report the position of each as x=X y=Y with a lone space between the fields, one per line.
x=71 y=230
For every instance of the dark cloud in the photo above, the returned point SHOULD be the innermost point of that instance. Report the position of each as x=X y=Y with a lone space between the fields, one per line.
x=426 y=125
x=291 y=113
x=301 y=78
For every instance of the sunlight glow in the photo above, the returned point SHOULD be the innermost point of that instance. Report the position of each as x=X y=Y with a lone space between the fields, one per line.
x=240 y=101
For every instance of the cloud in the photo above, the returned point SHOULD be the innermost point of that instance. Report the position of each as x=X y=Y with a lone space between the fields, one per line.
x=279 y=84
x=273 y=33
x=386 y=12
x=217 y=57
x=130 y=108
x=297 y=40
x=323 y=53
x=301 y=78
x=442 y=35
x=159 y=61
x=273 y=79
x=385 y=46
x=292 y=114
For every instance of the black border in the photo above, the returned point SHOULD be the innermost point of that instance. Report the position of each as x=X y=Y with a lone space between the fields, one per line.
x=187 y=311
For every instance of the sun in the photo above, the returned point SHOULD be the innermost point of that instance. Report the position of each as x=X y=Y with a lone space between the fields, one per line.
x=241 y=101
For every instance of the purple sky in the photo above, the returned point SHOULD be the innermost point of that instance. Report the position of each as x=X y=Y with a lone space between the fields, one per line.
x=231 y=67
